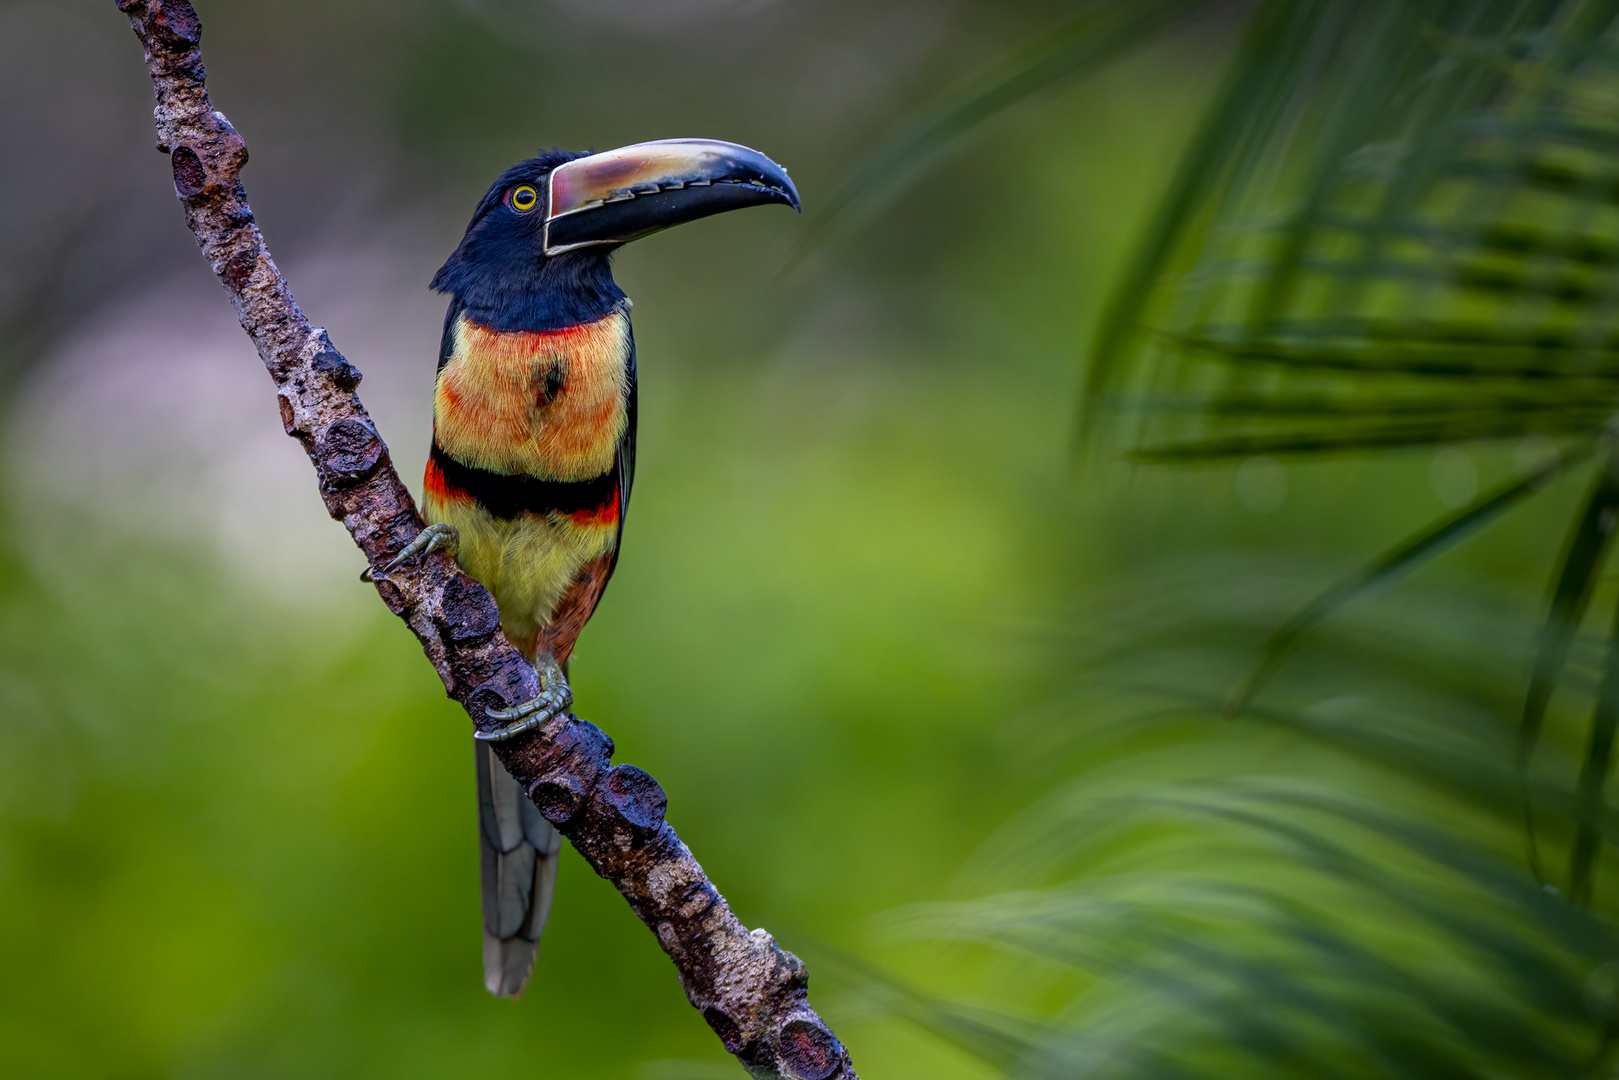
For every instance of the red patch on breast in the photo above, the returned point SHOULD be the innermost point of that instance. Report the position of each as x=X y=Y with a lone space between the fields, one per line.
x=534 y=340
x=434 y=485
x=605 y=514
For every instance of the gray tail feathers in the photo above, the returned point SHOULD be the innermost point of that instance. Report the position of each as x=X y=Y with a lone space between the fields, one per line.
x=520 y=850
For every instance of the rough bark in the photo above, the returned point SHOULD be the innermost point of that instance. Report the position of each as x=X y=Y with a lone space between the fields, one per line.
x=751 y=991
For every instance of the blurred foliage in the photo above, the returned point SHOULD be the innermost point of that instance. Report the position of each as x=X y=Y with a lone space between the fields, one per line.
x=1332 y=884
x=1392 y=230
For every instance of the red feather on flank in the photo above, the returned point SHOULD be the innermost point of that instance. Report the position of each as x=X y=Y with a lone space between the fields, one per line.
x=439 y=488
x=606 y=514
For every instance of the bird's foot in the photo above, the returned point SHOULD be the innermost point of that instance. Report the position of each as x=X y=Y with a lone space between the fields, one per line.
x=438 y=537
x=553 y=699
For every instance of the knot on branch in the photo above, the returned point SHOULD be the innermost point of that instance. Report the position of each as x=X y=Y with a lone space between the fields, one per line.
x=514 y=681
x=635 y=797
x=190 y=178
x=347 y=451
x=567 y=760
x=729 y=1031
x=171 y=33
x=558 y=795
x=173 y=23
x=208 y=165
x=809 y=1050
x=508 y=688
x=467 y=613
x=331 y=363
x=803 y=1048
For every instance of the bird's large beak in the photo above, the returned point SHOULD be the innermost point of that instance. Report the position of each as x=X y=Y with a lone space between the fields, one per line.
x=624 y=194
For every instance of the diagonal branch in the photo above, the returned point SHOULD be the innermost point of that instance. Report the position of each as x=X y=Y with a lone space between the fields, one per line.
x=751 y=991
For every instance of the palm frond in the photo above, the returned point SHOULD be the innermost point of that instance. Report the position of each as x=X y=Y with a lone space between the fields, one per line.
x=1396 y=562
x=1297 y=921
x=1396 y=207
x=1397 y=226
x=1575 y=581
x=1594 y=773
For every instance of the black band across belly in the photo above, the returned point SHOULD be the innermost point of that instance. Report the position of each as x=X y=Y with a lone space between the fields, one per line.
x=508 y=496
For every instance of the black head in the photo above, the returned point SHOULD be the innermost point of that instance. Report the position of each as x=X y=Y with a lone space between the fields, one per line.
x=500 y=274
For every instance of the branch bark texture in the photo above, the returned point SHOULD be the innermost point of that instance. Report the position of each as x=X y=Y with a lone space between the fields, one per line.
x=752 y=992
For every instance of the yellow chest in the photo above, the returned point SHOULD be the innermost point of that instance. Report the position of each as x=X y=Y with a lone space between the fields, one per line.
x=545 y=403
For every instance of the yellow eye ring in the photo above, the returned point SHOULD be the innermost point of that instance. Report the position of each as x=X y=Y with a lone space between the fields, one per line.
x=524 y=199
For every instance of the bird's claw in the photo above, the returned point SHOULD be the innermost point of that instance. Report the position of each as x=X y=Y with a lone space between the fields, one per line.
x=553 y=699
x=438 y=537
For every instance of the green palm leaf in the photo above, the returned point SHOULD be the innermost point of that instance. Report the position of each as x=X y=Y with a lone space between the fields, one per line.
x=1286 y=923
x=1397 y=208
x=1401 y=560
x=1396 y=227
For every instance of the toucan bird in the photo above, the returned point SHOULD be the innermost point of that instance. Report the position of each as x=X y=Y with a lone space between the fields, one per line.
x=534 y=442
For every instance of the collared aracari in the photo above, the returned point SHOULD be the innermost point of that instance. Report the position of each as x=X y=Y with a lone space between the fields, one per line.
x=534 y=442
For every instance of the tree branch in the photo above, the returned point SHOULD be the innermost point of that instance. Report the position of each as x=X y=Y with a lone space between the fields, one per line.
x=751 y=991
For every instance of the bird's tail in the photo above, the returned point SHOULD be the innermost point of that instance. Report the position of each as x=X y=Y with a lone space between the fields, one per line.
x=520 y=850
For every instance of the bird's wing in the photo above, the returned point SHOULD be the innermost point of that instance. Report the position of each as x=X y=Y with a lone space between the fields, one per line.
x=446 y=344
x=520 y=850
x=624 y=462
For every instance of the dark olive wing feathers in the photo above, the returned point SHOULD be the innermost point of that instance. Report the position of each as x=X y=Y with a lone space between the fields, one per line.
x=624 y=460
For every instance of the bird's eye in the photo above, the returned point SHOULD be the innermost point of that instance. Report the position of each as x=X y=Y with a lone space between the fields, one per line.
x=524 y=199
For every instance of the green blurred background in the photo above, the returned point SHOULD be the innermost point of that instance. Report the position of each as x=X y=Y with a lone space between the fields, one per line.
x=863 y=581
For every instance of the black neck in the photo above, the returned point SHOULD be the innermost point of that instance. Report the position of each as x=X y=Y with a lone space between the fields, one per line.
x=532 y=294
